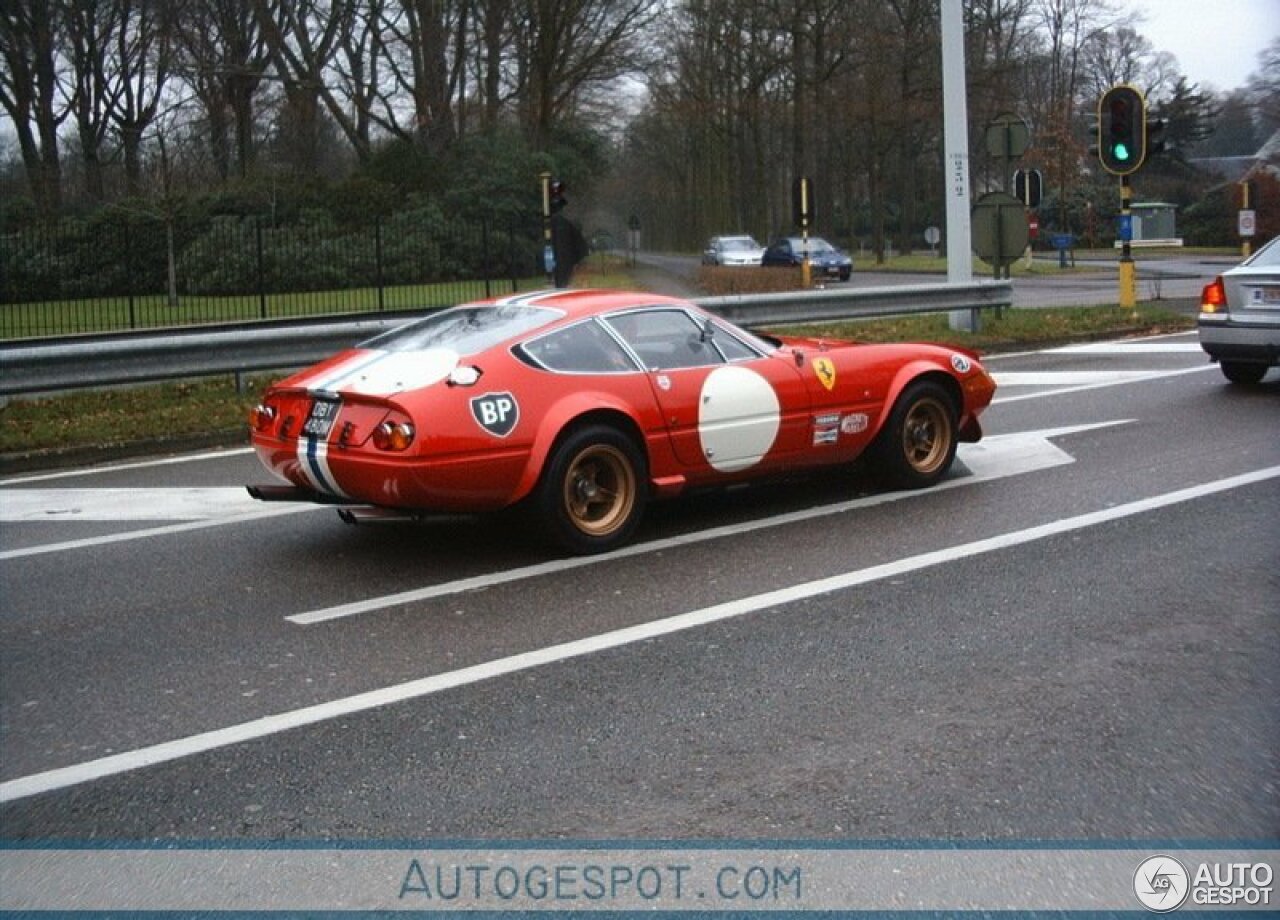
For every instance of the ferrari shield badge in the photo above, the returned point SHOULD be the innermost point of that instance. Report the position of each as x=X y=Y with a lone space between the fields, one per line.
x=826 y=370
x=496 y=413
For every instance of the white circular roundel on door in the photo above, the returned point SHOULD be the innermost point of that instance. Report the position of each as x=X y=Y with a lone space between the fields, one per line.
x=738 y=418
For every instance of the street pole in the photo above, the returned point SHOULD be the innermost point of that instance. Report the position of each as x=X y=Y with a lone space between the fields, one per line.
x=955 y=122
x=1128 y=279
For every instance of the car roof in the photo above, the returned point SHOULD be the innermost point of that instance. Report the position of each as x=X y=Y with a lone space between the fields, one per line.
x=576 y=303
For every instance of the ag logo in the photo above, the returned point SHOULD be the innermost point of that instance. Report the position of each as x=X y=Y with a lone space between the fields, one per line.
x=1161 y=884
x=826 y=372
x=497 y=413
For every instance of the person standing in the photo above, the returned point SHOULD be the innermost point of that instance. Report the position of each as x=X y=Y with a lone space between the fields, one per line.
x=567 y=242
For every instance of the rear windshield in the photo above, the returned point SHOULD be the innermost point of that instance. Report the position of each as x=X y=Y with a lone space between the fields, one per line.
x=465 y=330
x=1268 y=256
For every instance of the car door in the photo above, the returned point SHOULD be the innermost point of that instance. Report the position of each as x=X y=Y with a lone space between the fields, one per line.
x=733 y=413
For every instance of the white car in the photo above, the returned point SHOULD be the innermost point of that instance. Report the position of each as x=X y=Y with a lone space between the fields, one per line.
x=732 y=250
x=1240 y=316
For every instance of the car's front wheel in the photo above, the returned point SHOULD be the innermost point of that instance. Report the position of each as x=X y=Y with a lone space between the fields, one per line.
x=918 y=443
x=1244 y=371
x=592 y=493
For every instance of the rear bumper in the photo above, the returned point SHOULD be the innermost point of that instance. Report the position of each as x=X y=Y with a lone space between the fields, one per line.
x=1227 y=341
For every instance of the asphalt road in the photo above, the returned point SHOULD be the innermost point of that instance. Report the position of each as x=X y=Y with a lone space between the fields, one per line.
x=1075 y=637
x=1096 y=282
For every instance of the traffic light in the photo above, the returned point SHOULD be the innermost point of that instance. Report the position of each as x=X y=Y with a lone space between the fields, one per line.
x=1122 y=130
x=1155 y=136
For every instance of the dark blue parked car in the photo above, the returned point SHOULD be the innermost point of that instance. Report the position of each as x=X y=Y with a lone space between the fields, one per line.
x=824 y=259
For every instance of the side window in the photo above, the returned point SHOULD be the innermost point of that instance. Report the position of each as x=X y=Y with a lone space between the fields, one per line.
x=665 y=339
x=731 y=348
x=584 y=348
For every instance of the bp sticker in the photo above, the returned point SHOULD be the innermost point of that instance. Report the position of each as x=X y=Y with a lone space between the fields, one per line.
x=496 y=413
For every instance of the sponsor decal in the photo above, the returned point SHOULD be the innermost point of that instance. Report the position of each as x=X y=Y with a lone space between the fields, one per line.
x=825 y=368
x=664 y=382
x=826 y=421
x=960 y=363
x=496 y=413
x=856 y=423
x=826 y=436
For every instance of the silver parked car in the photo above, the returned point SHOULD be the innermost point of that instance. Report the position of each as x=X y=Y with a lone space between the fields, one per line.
x=732 y=250
x=1240 y=316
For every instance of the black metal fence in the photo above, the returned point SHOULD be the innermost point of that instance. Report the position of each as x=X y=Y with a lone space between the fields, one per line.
x=134 y=272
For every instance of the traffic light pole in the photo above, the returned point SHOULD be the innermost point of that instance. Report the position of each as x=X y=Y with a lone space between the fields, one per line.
x=548 y=249
x=1128 y=276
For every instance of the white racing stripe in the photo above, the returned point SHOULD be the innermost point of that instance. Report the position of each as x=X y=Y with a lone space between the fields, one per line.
x=166 y=752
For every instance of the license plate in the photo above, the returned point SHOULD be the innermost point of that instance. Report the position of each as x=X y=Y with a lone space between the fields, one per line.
x=1267 y=295
x=320 y=421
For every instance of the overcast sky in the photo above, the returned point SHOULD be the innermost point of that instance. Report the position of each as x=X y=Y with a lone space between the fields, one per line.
x=1216 y=42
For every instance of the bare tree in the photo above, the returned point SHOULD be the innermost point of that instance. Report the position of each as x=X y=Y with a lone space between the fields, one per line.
x=423 y=67
x=568 y=48
x=143 y=60
x=223 y=57
x=90 y=28
x=30 y=32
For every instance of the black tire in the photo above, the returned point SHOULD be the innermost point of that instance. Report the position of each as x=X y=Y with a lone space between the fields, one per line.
x=918 y=443
x=592 y=493
x=1246 y=372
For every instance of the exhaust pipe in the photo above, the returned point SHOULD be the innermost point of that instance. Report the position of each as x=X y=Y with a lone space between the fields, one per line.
x=276 y=493
x=373 y=515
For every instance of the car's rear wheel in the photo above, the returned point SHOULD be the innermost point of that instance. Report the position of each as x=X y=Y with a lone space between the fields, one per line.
x=1244 y=371
x=917 y=445
x=592 y=493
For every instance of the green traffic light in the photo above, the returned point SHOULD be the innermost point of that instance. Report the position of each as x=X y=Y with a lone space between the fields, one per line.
x=1120 y=152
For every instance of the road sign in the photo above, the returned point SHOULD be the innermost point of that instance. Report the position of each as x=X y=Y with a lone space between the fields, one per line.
x=1124 y=227
x=1008 y=137
x=999 y=229
x=1028 y=187
x=1248 y=223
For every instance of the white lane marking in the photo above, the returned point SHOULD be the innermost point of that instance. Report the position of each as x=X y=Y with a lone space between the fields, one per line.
x=63 y=777
x=117 y=467
x=1128 y=349
x=1062 y=391
x=166 y=530
x=152 y=504
x=1066 y=378
x=993 y=458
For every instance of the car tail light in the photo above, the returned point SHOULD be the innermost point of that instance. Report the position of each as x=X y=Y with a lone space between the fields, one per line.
x=1213 y=299
x=262 y=417
x=393 y=436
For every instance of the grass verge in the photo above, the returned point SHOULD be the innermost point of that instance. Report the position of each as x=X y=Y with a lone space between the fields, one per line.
x=117 y=422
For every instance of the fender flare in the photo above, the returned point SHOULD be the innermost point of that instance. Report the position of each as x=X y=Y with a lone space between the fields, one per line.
x=909 y=374
x=558 y=418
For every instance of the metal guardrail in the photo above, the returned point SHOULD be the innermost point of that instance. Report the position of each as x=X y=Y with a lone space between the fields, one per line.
x=92 y=361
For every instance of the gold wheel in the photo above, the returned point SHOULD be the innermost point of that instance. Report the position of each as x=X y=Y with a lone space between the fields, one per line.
x=599 y=490
x=927 y=436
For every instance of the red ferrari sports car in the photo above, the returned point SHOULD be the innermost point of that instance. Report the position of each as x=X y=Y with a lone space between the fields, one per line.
x=584 y=405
